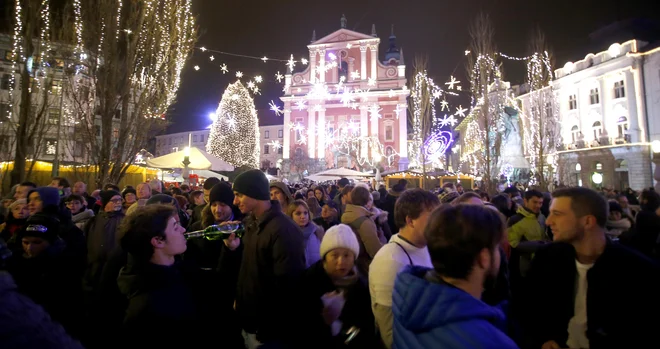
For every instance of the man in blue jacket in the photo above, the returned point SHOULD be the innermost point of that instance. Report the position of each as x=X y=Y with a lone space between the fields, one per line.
x=442 y=307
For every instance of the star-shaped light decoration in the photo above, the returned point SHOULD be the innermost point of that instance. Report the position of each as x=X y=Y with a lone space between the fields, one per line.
x=256 y=90
x=452 y=82
x=437 y=93
x=291 y=63
x=274 y=107
x=250 y=84
x=332 y=56
x=460 y=111
x=301 y=105
x=448 y=120
x=390 y=93
x=467 y=52
x=399 y=108
x=265 y=59
x=374 y=111
x=275 y=144
x=196 y=67
x=258 y=79
x=212 y=58
x=304 y=61
x=203 y=49
x=355 y=75
x=224 y=69
x=444 y=105
x=279 y=77
x=239 y=74
x=459 y=88
x=349 y=45
x=371 y=82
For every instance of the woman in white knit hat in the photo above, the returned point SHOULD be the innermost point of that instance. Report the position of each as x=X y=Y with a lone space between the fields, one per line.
x=336 y=297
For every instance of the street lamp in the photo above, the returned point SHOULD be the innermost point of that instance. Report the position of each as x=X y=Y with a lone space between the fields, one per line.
x=186 y=163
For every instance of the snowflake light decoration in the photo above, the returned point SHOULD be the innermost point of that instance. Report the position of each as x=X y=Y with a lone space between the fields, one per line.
x=274 y=107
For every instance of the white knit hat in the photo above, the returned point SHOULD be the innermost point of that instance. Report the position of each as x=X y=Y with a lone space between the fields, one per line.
x=340 y=235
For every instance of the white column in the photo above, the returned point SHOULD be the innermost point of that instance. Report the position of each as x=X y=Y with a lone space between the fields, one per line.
x=286 y=131
x=374 y=62
x=403 y=131
x=351 y=68
x=633 y=121
x=605 y=93
x=312 y=66
x=375 y=123
x=322 y=65
x=311 y=134
x=640 y=100
x=364 y=129
x=363 y=62
x=322 y=131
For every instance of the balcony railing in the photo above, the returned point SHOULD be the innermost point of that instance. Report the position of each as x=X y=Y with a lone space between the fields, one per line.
x=603 y=141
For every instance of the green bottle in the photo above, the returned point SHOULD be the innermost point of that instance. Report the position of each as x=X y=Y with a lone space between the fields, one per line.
x=218 y=232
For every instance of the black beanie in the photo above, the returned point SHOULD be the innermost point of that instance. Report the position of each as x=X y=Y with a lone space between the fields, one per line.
x=42 y=226
x=106 y=196
x=128 y=191
x=222 y=192
x=253 y=183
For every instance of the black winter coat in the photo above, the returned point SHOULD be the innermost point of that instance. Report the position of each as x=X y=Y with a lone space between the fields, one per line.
x=622 y=298
x=356 y=312
x=272 y=262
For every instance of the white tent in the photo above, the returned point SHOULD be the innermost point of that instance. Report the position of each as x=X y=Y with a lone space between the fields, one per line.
x=199 y=160
x=271 y=177
x=342 y=172
x=208 y=174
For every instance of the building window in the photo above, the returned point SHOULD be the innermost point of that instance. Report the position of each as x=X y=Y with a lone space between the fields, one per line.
x=343 y=71
x=201 y=138
x=622 y=126
x=593 y=96
x=389 y=133
x=118 y=114
x=599 y=166
x=97 y=130
x=280 y=150
x=53 y=116
x=4 y=110
x=619 y=90
x=548 y=109
x=6 y=82
x=598 y=129
x=169 y=141
x=51 y=146
x=578 y=167
x=195 y=138
x=280 y=134
x=78 y=149
x=56 y=87
x=266 y=148
x=266 y=134
x=175 y=149
x=575 y=133
x=572 y=102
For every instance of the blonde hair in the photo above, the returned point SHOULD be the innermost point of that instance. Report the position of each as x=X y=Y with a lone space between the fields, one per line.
x=294 y=205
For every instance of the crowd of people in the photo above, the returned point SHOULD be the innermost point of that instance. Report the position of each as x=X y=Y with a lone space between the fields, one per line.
x=337 y=265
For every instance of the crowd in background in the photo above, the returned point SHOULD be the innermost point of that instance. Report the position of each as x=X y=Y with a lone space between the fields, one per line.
x=340 y=265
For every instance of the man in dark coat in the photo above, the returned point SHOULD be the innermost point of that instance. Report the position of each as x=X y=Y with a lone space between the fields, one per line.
x=585 y=291
x=270 y=267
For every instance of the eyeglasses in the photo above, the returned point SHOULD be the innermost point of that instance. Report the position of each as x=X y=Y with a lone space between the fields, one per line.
x=116 y=201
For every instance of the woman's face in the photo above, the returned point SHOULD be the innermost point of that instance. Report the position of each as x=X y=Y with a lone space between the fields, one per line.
x=327 y=212
x=339 y=262
x=130 y=198
x=301 y=216
x=20 y=211
x=319 y=195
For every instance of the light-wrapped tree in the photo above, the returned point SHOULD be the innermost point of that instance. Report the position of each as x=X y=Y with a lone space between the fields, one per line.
x=234 y=134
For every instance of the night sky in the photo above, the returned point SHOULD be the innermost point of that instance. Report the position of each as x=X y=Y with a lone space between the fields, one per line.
x=436 y=28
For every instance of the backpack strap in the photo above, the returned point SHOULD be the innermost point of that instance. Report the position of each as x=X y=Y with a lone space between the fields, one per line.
x=404 y=251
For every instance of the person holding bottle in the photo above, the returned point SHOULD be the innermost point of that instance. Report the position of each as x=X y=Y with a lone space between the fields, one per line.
x=270 y=267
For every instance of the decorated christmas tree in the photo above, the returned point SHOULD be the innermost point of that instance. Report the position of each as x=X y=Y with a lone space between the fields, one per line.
x=234 y=134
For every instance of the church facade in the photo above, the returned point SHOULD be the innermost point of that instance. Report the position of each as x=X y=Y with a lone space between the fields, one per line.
x=346 y=108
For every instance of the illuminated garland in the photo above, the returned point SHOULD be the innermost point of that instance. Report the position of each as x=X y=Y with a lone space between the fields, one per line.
x=234 y=135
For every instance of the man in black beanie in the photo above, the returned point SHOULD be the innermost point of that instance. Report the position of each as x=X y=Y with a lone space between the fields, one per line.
x=269 y=272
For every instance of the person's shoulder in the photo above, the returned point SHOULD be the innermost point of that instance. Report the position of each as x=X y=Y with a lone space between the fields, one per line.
x=632 y=258
x=517 y=217
x=388 y=258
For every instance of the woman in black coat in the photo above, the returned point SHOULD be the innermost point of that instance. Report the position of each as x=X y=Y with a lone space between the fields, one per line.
x=336 y=303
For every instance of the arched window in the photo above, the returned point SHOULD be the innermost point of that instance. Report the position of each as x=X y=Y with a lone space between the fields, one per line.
x=578 y=167
x=599 y=166
x=575 y=133
x=598 y=129
x=343 y=70
x=622 y=126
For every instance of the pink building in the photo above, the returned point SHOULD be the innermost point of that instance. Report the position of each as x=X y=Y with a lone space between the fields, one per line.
x=347 y=108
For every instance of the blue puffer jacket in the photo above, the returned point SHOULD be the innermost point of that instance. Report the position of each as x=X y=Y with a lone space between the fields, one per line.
x=433 y=314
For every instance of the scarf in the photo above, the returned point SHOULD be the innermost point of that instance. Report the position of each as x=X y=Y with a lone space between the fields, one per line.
x=347 y=281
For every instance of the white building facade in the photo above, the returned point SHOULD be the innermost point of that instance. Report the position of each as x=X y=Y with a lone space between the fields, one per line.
x=606 y=124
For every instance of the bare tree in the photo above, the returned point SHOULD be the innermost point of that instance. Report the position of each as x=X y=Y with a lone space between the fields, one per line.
x=129 y=56
x=540 y=120
x=484 y=73
x=32 y=87
x=422 y=113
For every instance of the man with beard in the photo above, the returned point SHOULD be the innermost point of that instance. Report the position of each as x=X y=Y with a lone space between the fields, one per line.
x=442 y=307
x=584 y=290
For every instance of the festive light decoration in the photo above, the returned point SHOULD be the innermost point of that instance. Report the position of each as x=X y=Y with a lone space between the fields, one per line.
x=437 y=144
x=234 y=135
